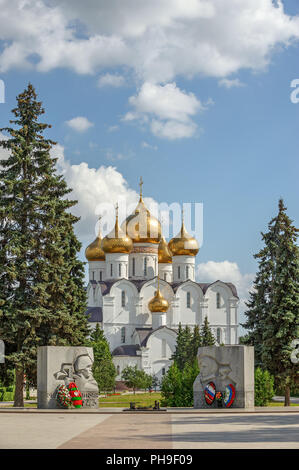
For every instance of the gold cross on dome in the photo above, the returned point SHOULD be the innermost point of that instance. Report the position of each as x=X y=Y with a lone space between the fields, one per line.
x=140 y=185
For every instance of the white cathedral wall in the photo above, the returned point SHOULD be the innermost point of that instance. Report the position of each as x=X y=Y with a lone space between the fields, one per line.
x=161 y=345
x=165 y=271
x=96 y=270
x=189 y=315
x=117 y=265
x=138 y=269
x=218 y=316
x=183 y=268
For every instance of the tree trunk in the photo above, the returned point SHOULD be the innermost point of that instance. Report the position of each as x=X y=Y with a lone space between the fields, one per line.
x=287 y=401
x=19 y=398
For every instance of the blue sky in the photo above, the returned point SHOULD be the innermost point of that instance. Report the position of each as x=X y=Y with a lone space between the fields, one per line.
x=229 y=137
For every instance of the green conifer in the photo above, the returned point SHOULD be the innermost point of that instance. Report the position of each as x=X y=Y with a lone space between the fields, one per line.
x=42 y=292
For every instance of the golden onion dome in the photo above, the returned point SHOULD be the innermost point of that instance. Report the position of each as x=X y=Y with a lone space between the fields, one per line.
x=141 y=226
x=164 y=254
x=94 y=251
x=158 y=304
x=117 y=241
x=183 y=243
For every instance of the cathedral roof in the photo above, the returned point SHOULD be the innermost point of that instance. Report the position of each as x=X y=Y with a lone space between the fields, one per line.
x=126 y=350
x=106 y=285
x=95 y=314
x=150 y=332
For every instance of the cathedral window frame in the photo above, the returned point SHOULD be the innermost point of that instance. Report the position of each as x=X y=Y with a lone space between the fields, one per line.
x=123 y=298
x=133 y=266
x=188 y=300
x=123 y=334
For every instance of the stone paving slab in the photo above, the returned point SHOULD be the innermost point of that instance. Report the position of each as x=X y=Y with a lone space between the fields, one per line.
x=173 y=430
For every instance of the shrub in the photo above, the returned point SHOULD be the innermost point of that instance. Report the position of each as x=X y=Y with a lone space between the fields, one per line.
x=263 y=387
x=177 y=385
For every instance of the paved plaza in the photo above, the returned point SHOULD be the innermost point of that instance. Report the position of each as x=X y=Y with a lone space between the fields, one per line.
x=178 y=429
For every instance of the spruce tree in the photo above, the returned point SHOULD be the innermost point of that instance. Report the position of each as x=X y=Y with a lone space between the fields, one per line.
x=207 y=337
x=103 y=368
x=42 y=296
x=273 y=314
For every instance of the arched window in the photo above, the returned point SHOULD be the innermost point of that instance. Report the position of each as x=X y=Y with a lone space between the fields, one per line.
x=165 y=275
x=188 y=300
x=163 y=347
x=133 y=266
x=123 y=334
x=111 y=270
x=119 y=270
x=218 y=300
x=218 y=335
x=93 y=275
x=101 y=275
x=179 y=272
x=145 y=267
x=187 y=272
x=163 y=371
x=117 y=370
x=123 y=298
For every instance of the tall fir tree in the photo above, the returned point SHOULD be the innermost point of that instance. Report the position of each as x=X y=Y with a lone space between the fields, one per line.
x=207 y=337
x=273 y=313
x=103 y=368
x=187 y=344
x=42 y=296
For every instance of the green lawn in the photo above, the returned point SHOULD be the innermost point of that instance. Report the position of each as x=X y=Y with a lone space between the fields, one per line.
x=123 y=401
x=280 y=403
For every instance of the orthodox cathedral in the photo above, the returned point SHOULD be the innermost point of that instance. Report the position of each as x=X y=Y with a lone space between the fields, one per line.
x=141 y=288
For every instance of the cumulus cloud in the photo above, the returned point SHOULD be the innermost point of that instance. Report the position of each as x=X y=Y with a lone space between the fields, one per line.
x=154 y=41
x=167 y=109
x=150 y=37
x=227 y=83
x=79 y=124
x=94 y=189
x=227 y=271
x=113 y=80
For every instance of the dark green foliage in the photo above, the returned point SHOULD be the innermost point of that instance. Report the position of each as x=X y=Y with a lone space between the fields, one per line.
x=272 y=318
x=187 y=344
x=103 y=368
x=42 y=296
x=135 y=378
x=263 y=387
x=207 y=337
x=177 y=385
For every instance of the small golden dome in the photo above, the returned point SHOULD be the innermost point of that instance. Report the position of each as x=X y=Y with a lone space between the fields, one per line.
x=141 y=226
x=117 y=241
x=164 y=254
x=183 y=243
x=158 y=303
x=94 y=251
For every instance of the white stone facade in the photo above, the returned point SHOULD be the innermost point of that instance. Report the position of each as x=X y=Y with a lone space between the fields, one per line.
x=137 y=336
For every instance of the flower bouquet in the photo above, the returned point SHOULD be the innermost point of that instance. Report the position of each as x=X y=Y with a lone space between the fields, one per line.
x=219 y=399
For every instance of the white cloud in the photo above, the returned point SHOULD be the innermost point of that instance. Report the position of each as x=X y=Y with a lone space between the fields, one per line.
x=79 y=124
x=93 y=187
x=4 y=154
x=227 y=271
x=227 y=83
x=113 y=128
x=168 y=109
x=146 y=145
x=154 y=42
x=151 y=38
x=109 y=79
